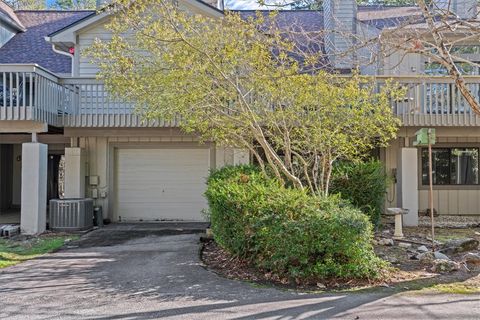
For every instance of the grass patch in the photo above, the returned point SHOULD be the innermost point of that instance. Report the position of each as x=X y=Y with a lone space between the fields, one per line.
x=448 y=288
x=14 y=251
x=455 y=288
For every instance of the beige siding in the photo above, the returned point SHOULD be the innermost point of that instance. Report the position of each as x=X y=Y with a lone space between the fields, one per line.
x=448 y=200
x=452 y=202
x=390 y=160
x=84 y=67
x=17 y=175
x=403 y=64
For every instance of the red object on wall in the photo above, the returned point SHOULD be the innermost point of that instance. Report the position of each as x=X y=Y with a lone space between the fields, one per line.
x=71 y=50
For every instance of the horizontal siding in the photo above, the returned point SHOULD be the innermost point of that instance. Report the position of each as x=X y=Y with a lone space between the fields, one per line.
x=85 y=39
x=340 y=15
x=453 y=201
x=400 y=63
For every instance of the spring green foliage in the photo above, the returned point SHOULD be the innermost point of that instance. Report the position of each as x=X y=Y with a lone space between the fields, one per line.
x=243 y=84
x=362 y=183
x=287 y=231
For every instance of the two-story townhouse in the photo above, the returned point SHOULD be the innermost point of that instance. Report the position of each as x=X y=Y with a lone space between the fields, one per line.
x=52 y=107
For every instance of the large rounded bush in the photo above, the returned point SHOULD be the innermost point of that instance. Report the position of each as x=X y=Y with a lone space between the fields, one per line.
x=287 y=231
x=363 y=184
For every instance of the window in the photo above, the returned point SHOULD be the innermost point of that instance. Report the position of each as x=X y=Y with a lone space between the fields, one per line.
x=451 y=166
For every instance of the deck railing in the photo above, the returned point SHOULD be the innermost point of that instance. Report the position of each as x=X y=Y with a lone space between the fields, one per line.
x=29 y=92
x=434 y=101
x=90 y=105
x=428 y=101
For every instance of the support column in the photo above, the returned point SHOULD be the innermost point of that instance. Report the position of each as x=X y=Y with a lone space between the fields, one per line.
x=408 y=184
x=74 y=173
x=33 y=218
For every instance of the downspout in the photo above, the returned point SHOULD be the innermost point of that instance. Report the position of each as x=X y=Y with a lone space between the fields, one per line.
x=67 y=54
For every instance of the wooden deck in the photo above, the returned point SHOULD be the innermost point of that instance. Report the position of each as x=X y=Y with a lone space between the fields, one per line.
x=29 y=92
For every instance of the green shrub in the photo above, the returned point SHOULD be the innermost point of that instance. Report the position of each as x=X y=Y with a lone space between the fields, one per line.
x=364 y=184
x=287 y=231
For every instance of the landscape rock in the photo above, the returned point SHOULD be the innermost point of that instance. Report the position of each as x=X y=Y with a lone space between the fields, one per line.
x=422 y=249
x=460 y=245
x=385 y=242
x=391 y=259
x=404 y=245
x=426 y=257
x=321 y=285
x=472 y=258
x=439 y=255
x=443 y=266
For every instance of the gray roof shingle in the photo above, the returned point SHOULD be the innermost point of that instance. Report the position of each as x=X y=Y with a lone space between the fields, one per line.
x=375 y=15
x=30 y=46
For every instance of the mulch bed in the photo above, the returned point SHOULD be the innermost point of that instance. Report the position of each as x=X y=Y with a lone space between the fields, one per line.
x=405 y=273
x=221 y=262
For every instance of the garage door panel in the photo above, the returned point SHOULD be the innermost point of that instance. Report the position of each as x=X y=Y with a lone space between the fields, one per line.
x=166 y=197
x=161 y=184
x=167 y=178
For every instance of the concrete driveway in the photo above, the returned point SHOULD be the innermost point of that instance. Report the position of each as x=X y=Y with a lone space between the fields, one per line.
x=137 y=274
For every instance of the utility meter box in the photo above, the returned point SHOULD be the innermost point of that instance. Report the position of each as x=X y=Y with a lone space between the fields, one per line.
x=422 y=137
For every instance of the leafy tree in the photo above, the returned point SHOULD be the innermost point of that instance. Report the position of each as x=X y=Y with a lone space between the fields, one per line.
x=243 y=84
x=27 y=4
x=74 y=4
x=318 y=4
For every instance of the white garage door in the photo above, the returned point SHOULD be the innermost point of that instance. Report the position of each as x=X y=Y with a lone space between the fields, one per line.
x=161 y=184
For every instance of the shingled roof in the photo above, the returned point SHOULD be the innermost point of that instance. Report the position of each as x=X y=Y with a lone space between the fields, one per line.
x=8 y=16
x=304 y=25
x=30 y=46
x=375 y=15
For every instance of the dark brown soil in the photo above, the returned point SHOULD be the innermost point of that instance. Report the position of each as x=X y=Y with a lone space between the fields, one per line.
x=405 y=273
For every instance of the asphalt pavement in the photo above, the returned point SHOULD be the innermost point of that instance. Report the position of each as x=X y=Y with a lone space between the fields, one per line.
x=127 y=273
